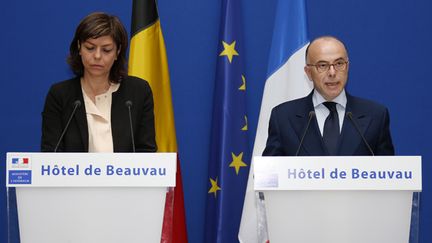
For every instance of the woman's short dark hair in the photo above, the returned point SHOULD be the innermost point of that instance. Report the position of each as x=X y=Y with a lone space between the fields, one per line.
x=94 y=26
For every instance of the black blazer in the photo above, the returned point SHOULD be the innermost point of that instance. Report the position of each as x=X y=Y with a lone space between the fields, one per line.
x=288 y=122
x=59 y=105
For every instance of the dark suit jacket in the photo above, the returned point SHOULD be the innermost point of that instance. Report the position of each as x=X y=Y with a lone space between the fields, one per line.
x=59 y=105
x=288 y=122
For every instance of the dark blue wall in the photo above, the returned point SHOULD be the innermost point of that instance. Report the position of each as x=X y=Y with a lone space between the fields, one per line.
x=388 y=42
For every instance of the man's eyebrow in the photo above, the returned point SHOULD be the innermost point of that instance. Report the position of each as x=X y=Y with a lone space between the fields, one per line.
x=337 y=59
x=340 y=58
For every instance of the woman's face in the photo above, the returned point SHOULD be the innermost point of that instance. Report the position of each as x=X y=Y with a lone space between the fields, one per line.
x=98 y=56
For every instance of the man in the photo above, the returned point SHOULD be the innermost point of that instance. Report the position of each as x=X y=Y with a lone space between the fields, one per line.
x=330 y=121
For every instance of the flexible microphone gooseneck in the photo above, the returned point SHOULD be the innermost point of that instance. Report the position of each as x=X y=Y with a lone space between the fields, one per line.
x=311 y=115
x=76 y=104
x=350 y=116
x=128 y=103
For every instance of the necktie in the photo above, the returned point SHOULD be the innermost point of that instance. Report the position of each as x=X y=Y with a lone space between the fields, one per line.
x=331 y=129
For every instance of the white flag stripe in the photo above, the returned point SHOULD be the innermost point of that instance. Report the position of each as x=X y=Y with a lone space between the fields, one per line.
x=287 y=83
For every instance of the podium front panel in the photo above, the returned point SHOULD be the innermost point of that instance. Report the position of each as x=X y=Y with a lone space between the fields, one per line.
x=109 y=215
x=343 y=199
x=338 y=216
x=88 y=197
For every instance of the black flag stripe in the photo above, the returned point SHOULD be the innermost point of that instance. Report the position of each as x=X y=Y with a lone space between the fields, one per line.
x=144 y=14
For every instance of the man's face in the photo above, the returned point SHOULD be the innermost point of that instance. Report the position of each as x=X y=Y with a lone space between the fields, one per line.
x=329 y=83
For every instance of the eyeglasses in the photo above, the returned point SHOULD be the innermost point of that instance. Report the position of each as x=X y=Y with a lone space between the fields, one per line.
x=325 y=66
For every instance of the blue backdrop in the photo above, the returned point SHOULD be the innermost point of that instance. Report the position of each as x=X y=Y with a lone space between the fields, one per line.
x=388 y=43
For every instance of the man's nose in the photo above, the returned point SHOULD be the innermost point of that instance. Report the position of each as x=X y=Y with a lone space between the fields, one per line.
x=331 y=71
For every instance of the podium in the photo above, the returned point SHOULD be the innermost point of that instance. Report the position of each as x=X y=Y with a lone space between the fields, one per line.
x=89 y=197
x=339 y=199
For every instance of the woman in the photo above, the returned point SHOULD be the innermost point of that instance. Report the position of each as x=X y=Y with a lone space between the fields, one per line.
x=101 y=95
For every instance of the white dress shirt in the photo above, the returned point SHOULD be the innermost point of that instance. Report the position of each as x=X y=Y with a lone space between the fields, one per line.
x=321 y=111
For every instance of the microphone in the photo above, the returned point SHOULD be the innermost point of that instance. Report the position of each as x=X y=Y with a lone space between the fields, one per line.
x=128 y=103
x=311 y=115
x=76 y=104
x=350 y=116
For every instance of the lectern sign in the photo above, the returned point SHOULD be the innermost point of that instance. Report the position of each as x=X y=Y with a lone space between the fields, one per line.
x=339 y=199
x=338 y=173
x=89 y=197
x=91 y=169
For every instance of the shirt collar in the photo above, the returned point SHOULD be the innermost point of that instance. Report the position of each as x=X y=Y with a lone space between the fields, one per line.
x=318 y=99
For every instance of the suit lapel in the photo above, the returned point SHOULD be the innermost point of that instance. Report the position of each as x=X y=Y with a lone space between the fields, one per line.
x=119 y=119
x=312 y=143
x=80 y=116
x=350 y=138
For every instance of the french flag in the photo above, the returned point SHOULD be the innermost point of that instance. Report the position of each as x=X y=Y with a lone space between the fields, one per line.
x=286 y=81
x=20 y=161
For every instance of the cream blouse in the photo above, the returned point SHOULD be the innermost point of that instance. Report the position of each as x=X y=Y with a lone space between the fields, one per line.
x=99 y=120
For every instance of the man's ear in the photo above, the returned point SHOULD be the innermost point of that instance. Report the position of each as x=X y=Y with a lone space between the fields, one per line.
x=307 y=70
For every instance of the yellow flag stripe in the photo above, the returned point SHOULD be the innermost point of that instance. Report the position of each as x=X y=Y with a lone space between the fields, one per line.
x=148 y=60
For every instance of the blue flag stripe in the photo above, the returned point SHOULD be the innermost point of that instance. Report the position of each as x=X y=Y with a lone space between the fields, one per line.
x=289 y=35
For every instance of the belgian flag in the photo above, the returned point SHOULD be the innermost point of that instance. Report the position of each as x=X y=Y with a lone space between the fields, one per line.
x=148 y=60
